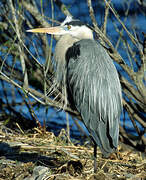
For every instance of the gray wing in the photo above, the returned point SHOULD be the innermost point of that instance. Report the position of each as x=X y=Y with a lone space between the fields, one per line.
x=94 y=86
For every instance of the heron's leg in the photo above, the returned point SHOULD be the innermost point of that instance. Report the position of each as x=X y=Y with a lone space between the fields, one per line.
x=95 y=155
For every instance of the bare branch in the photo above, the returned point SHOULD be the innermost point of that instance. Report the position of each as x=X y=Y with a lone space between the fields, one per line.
x=105 y=17
x=63 y=7
x=19 y=47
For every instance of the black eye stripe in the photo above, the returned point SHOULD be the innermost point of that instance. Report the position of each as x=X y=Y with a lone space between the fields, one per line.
x=75 y=23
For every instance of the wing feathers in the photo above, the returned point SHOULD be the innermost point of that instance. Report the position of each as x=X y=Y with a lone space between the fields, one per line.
x=94 y=84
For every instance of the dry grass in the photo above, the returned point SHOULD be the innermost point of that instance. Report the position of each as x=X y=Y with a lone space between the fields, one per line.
x=20 y=153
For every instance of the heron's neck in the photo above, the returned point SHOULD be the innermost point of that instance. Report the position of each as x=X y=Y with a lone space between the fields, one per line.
x=62 y=46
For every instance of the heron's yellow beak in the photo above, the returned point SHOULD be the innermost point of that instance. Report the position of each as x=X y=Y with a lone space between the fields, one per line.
x=58 y=30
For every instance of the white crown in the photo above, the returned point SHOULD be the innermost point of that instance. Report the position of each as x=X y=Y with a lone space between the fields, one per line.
x=67 y=20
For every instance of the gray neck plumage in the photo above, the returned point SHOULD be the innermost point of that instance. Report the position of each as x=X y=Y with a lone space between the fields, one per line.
x=62 y=46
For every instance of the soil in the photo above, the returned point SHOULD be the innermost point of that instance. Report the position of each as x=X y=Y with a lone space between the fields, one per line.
x=23 y=153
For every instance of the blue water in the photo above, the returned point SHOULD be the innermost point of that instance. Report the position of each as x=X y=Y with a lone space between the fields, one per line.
x=55 y=119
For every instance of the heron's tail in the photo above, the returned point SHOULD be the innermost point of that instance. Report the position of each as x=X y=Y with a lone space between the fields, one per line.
x=102 y=137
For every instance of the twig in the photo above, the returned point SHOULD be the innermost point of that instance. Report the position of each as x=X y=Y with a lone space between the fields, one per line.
x=125 y=104
x=123 y=25
x=114 y=55
x=33 y=93
x=20 y=128
x=6 y=78
x=24 y=45
x=91 y=11
x=131 y=114
x=105 y=17
x=24 y=70
x=133 y=91
x=62 y=7
x=35 y=13
x=124 y=134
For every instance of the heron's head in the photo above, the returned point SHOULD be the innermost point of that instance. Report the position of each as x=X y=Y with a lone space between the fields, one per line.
x=73 y=27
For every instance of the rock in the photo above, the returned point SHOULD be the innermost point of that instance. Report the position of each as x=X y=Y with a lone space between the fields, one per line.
x=39 y=173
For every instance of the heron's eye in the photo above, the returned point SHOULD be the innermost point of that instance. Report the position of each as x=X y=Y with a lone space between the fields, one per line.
x=69 y=27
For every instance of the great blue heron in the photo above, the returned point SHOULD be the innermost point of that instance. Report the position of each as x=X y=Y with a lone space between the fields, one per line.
x=91 y=79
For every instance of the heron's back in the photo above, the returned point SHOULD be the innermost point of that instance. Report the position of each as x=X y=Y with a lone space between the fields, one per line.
x=95 y=89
